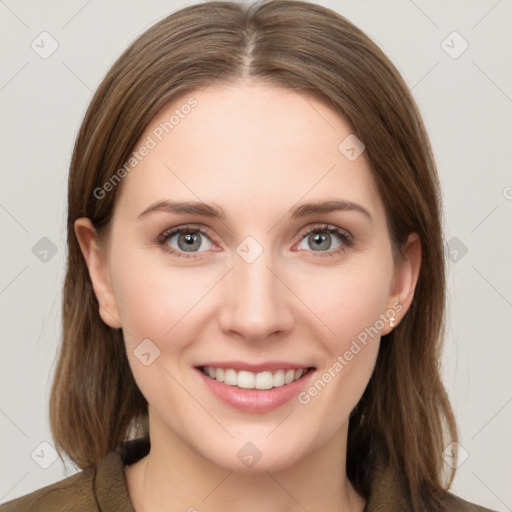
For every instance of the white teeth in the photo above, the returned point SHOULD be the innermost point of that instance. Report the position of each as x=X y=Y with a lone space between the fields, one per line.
x=249 y=380
x=246 y=380
x=290 y=375
x=264 y=380
x=278 y=379
x=230 y=377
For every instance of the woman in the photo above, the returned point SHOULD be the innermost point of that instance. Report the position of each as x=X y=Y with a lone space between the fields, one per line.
x=253 y=304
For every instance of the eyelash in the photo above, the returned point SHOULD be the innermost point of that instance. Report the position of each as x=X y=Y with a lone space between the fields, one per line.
x=344 y=236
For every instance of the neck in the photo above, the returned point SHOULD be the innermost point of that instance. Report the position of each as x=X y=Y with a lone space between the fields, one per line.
x=174 y=473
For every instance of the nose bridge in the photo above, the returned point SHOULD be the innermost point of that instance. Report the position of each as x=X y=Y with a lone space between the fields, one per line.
x=258 y=304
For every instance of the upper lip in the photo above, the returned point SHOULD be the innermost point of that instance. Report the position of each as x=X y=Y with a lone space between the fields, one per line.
x=256 y=368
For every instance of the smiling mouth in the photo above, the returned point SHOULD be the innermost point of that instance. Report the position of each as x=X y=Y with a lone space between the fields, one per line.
x=244 y=379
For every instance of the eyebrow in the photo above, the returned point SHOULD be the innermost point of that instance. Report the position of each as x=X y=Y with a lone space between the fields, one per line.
x=190 y=207
x=209 y=210
x=327 y=207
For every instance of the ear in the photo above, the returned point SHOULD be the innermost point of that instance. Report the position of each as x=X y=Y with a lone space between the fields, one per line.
x=405 y=277
x=96 y=261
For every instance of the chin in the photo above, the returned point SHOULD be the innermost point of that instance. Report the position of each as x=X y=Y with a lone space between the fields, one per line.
x=250 y=459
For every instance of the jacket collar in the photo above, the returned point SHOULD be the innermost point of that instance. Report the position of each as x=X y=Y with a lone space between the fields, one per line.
x=110 y=485
x=111 y=489
x=386 y=492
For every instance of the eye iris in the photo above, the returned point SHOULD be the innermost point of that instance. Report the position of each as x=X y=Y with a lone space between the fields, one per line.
x=321 y=240
x=191 y=241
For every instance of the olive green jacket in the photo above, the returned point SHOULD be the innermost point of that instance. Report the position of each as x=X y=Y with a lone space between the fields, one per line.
x=102 y=488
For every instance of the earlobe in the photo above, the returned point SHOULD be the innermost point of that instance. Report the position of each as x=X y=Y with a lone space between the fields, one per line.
x=406 y=274
x=96 y=261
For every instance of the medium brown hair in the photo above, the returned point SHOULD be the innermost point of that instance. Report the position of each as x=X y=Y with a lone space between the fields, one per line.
x=404 y=417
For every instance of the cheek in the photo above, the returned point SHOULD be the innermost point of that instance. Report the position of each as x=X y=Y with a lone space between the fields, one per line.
x=162 y=304
x=154 y=299
x=352 y=302
x=350 y=298
x=354 y=309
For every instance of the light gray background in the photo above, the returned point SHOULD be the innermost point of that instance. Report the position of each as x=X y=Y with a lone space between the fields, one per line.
x=466 y=103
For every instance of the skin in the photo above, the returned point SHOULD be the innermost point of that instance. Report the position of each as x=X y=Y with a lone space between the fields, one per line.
x=256 y=151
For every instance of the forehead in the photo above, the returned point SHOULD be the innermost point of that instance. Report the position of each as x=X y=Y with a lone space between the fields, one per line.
x=251 y=146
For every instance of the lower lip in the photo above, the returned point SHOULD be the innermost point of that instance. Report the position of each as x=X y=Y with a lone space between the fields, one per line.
x=256 y=400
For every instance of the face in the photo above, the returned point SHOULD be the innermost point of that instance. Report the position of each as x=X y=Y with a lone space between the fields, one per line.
x=258 y=276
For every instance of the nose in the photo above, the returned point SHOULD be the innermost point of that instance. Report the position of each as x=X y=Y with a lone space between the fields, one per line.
x=257 y=303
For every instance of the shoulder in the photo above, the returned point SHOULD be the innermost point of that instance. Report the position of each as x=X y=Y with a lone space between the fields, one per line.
x=456 y=504
x=388 y=492
x=101 y=487
x=73 y=493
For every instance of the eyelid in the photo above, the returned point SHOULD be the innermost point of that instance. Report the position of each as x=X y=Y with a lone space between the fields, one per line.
x=323 y=227
x=347 y=240
x=177 y=230
x=163 y=237
x=345 y=236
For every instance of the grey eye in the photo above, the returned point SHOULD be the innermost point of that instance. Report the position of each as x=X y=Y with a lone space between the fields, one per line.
x=318 y=241
x=189 y=241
